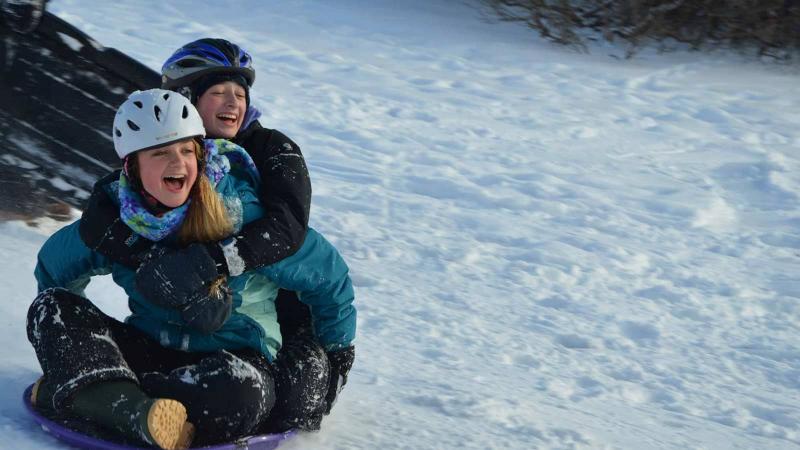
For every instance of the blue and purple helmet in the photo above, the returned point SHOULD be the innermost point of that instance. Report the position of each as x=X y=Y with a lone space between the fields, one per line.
x=204 y=57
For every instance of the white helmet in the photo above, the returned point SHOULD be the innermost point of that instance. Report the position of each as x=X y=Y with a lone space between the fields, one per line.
x=154 y=118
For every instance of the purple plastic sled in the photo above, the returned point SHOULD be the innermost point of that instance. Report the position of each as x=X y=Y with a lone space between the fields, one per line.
x=81 y=440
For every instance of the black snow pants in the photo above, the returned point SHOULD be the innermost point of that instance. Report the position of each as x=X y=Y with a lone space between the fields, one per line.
x=227 y=394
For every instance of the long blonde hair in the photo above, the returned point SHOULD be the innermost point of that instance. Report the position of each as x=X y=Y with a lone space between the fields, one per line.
x=207 y=219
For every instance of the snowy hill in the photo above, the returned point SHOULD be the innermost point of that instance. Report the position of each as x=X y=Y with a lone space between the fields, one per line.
x=550 y=250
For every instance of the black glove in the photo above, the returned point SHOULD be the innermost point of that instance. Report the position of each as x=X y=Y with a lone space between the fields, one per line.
x=208 y=309
x=171 y=277
x=341 y=361
x=188 y=280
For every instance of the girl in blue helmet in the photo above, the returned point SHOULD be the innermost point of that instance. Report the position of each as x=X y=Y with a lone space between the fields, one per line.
x=204 y=362
x=216 y=76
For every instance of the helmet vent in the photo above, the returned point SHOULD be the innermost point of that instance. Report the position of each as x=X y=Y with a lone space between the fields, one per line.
x=187 y=63
x=185 y=112
x=157 y=111
x=138 y=104
x=133 y=126
x=117 y=132
x=166 y=96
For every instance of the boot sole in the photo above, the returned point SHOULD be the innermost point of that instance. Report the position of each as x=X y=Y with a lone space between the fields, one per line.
x=167 y=425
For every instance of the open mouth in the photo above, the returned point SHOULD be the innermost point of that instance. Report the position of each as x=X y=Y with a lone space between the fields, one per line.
x=175 y=182
x=228 y=118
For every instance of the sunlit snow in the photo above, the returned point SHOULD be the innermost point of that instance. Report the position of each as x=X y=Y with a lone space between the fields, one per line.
x=550 y=250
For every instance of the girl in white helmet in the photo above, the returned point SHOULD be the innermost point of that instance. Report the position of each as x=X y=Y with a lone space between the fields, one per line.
x=202 y=364
x=216 y=75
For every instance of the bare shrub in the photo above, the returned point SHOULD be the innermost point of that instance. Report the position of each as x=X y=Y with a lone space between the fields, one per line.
x=771 y=27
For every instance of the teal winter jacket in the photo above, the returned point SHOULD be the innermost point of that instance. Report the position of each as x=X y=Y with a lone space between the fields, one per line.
x=316 y=272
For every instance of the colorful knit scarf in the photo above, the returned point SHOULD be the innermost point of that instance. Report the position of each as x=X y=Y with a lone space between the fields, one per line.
x=219 y=155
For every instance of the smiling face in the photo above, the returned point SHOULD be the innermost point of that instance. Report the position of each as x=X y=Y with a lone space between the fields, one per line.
x=169 y=172
x=222 y=107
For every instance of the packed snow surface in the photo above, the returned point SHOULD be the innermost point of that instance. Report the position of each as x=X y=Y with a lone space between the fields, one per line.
x=551 y=250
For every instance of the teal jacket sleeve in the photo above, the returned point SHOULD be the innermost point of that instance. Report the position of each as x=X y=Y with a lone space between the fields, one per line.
x=65 y=261
x=320 y=277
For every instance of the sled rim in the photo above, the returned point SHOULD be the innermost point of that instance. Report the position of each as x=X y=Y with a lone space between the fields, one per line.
x=71 y=437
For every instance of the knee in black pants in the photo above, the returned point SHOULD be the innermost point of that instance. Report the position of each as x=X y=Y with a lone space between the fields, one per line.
x=301 y=373
x=73 y=344
x=56 y=307
x=225 y=396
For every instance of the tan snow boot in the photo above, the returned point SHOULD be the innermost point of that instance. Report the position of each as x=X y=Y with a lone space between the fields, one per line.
x=124 y=407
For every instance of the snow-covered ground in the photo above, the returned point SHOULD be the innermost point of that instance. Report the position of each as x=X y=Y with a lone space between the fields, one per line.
x=551 y=250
